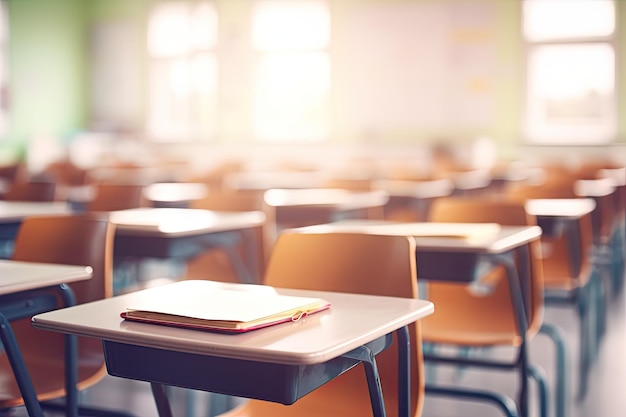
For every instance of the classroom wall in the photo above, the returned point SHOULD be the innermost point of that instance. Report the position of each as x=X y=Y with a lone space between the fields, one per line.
x=53 y=68
x=47 y=69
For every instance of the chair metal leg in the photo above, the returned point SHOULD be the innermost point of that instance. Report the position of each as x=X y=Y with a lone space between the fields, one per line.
x=555 y=334
x=584 y=356
x=538 y=375
x=504 y=403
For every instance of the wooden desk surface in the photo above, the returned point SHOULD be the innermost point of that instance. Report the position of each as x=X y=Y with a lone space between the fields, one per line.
x=179 y=222
x=15 y=211
x=18 y=276
x=352 y=321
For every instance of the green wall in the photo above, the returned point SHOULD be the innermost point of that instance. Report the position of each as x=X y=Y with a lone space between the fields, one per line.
x=46 y=68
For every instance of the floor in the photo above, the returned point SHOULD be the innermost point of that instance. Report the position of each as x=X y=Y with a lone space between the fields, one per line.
x=606 y=396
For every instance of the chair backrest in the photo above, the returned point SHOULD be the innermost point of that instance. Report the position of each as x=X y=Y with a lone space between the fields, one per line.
x=589 y=228
x=354 y=263
x=77 y=239
x=233 y=200
x=520 y=191
x=31 y=191
x=113 y=196
x=481 y=210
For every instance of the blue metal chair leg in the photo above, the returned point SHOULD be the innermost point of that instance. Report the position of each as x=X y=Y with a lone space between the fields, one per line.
x=430 y=368
x=538 y=375
x=504 y=403
x=584 y=357
x=555 y=333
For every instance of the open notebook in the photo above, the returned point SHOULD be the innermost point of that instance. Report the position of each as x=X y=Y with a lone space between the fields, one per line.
x=236 y=308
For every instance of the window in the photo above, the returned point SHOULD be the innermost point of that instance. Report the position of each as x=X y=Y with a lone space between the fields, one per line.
x=292 y=80
x=183 y=75
x=571 y=69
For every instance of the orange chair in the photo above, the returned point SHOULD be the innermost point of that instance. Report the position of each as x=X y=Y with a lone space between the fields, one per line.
x=606 y=184
x=579 y=287
x=217 y=263
x=31 y=191
x=466 y=318
x=82 y=239
x=356 y=263
x=113 y=196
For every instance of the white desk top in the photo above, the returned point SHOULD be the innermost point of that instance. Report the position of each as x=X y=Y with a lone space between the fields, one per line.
x=459 y=237
x=23 y=276
x=265 y=180
x=419 y=189
x=338 y=199
x=596 y=187
x=179 y=222
x=175 y=191
x=560 y=207
x=12 y=211
x=352 y=321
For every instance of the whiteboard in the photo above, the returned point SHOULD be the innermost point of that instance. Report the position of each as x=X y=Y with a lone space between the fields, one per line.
x=418 y=65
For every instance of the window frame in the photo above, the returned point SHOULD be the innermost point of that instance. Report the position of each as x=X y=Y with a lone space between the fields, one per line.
x=529 y=46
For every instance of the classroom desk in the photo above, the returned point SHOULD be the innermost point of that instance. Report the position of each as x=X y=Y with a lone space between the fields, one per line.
x=266 y=180
x=25 y=290
x=174 y=194
x=287 y=361
x=560 y=216
x=13 y=212
x=437 y=243
x=471 y=181
x=303 y=207
x=178 y=233
x=442 y=255
x=412 y=198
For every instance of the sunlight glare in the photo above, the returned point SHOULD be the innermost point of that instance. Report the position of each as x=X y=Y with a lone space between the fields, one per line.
x=545 y=20
x=290 y=25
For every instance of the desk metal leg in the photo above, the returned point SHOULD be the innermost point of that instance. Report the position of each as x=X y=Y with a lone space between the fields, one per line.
x=71 y=355
x=404 y=378
x=367 y=357
x=160 y=397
